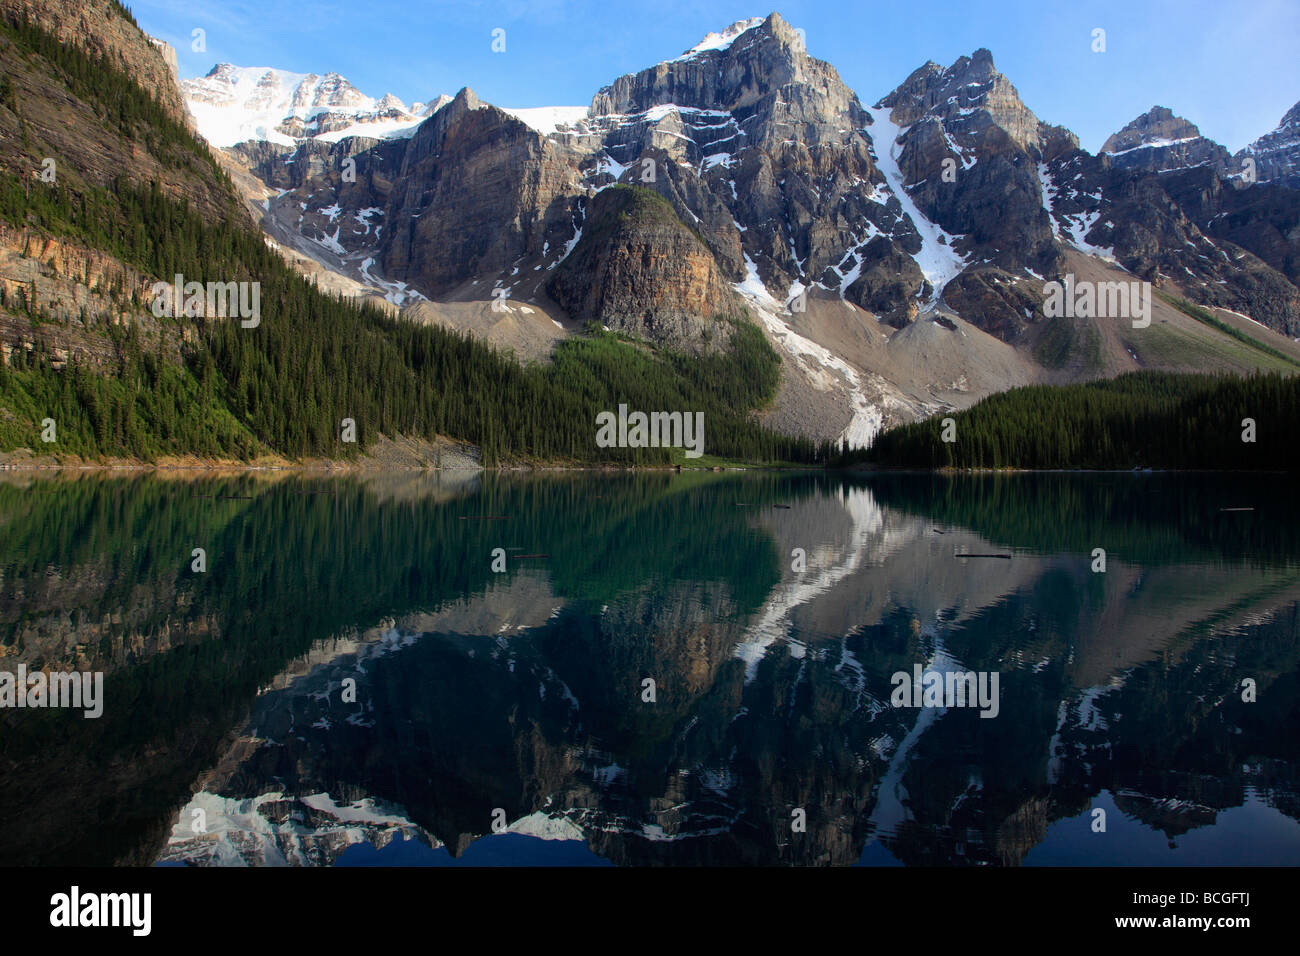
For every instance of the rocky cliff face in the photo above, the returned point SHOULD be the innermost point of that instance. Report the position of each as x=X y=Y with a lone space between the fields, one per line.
x=1159 y=141
x=1276 y=153
x=1263 y=218
x=758 y=147
x=972 y=96
x=77 y=293
x=1132 y=217
x=948 y=196
x=767 y=152
x=968 y=152
x=169 y=56
x=774 y=173
x=49 y=119
x=945 y=193
x=101 y=30
x=638 y=269
x=476 y=190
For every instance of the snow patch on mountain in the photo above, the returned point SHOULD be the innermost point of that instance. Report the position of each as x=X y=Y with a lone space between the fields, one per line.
x=938 y=260
x=380 y=129
x=1079 y=226
x=817 y=362
x=1153 y=144
x=547 y=119
x=1049 y=197
x=234 y=104
x=720 y=41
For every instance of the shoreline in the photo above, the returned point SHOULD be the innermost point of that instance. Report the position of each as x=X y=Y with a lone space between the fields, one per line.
x=341 y=468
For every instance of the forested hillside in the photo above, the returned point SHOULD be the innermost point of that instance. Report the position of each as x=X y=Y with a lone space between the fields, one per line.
x=286 y=385
x=1139 y=420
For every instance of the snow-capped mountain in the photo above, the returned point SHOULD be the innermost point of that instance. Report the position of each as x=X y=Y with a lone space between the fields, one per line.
x=238 y=104
x=896 y=255
x=722 y=40
x=234 y=104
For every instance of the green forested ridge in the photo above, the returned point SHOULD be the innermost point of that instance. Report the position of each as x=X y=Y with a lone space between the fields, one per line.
x=123 y=11
x=1139 y=420
x=337 y=554
x=314 y=360
x=121 y=104
x=145 y=407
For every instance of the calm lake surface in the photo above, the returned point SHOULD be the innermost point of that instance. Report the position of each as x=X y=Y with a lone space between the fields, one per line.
x=670 y=670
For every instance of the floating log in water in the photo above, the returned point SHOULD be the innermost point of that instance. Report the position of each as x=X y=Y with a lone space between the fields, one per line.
x=1236 y=509
x=1005 y=556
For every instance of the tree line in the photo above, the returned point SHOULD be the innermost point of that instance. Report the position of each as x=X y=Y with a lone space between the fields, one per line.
x=317 y=359
x=1138 y=420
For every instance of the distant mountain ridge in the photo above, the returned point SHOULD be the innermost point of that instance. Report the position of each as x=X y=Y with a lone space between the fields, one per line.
x=1277 y=153
x=1159 y=140
x=947 y=201
x=895 y=255
x=235 y=104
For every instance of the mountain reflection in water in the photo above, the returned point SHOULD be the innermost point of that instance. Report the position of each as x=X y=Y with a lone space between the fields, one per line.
x=350 y=682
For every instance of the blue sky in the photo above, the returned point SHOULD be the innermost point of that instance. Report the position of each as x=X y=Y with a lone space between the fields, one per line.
x=1233 y=68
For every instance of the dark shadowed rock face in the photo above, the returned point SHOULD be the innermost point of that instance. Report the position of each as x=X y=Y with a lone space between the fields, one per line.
x=476 y=190
x=1132 y=216
x=1276 y=154
x=638 y=269
x=890 y=282
x=1159 y=141
x=949 y=192
x=1002 y=304
x=1264 y=218
x=969 y=157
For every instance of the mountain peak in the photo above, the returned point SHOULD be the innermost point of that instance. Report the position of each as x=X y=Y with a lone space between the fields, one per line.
x=978 y=64
x=972 y=85
x=234 y=104
x=748 y=61
x=1277 y=153
x=1157 y=123
x=1161 y=141
x=466 y=98
x=724 y=39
